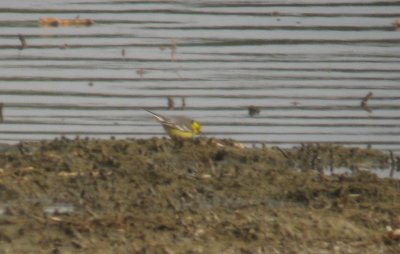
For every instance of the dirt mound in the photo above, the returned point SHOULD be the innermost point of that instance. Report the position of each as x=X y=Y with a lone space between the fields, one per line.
x=200 y=196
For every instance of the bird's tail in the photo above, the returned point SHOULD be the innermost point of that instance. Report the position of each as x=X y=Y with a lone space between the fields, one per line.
x=157 y=116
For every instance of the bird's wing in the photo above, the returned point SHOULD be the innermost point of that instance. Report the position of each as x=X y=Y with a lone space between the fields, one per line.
x=173 y=124
x=179 y=123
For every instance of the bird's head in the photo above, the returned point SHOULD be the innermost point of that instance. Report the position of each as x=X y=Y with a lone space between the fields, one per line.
x=196 y=127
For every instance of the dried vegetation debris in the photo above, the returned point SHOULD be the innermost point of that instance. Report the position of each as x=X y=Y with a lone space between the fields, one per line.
x=200 y=196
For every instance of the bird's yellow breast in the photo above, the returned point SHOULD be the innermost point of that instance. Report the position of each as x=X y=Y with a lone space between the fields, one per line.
x=175 y=133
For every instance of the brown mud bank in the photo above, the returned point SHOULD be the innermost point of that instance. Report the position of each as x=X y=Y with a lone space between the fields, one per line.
x=200 y=196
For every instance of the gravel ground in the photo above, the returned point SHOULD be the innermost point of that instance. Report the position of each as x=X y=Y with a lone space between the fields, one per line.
x=200 y=196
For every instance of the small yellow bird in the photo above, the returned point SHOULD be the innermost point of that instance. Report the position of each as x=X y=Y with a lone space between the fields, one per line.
x=178 y=127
